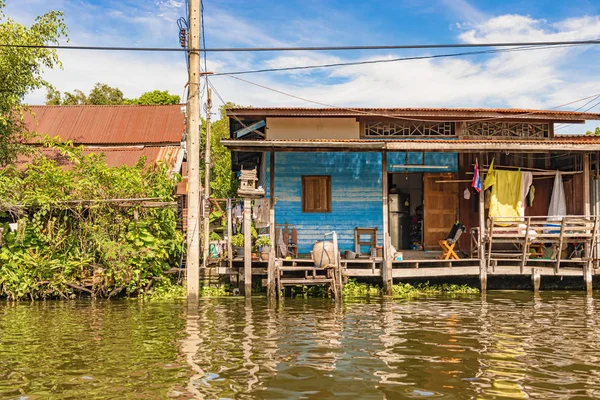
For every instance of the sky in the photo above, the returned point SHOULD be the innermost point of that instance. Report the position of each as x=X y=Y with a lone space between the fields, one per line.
x=530 y=79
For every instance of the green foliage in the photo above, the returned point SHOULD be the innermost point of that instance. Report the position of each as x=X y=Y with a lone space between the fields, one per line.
x=165 y=290
x=405 y=290
x=63 y=244
x=215 y=291
x=102 y=94
x=263 y=241
x=21 y=71
x=354 y=289
x=596 y=131
x=155 y=97
x=237 y=240
x=215 y=236
x=222 y=181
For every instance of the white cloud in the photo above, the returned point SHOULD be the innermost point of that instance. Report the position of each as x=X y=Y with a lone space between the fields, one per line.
x=531 y=79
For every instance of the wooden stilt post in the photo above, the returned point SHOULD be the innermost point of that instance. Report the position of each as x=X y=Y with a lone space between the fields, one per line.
x=272 y=267
x=386 y=269
x=588 y=269
x=229 y=233
x=247 y=247
x=482 y=258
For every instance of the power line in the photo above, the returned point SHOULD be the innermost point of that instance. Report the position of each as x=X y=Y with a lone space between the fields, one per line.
x=358 y=111
x=307 y=48
x=390 y=60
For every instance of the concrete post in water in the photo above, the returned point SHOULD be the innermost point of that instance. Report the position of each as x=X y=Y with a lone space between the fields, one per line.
x=193 y=155
x=535 y=279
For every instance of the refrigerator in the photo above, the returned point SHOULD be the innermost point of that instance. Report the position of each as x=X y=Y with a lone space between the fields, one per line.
x=399 y=216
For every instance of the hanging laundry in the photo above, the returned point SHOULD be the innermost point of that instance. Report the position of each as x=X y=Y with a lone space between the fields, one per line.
x=490 y=177
x=526 y=182
x=262 y=212
x=531 y=195
x=558 y=202
x=506 y=198
x=476 y=183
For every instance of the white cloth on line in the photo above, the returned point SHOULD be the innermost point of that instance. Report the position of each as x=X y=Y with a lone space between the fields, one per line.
x=558 y=202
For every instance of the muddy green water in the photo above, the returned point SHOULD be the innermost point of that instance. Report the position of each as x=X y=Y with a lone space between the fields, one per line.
x=504 y=345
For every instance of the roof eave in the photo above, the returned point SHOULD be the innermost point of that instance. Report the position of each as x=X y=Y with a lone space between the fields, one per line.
x=408 y=145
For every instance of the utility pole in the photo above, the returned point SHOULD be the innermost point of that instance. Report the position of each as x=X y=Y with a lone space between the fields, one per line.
x=193 y=155
x=206 y=209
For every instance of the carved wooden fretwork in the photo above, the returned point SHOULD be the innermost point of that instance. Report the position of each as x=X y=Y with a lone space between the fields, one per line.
x=509 y=129
x=408 y=128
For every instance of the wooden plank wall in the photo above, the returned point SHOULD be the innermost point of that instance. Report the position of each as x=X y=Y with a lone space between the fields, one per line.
x=355 y=192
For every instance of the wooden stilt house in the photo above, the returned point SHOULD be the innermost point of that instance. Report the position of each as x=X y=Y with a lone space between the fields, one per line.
x=392 y=183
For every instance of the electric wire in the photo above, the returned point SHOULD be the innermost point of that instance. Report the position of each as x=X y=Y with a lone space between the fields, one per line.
x=390 y=60
x=309 y=48
x=363 y=112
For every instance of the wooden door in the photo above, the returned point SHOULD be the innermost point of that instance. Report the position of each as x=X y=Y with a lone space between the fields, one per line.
x=440 y=207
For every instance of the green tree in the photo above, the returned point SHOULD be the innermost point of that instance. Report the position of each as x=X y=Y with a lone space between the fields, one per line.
x=53 y=97
x=73 y=99
x=102 y=94
x=222 y=181
x=596 y=131
x=156 y=97
x=21 y=71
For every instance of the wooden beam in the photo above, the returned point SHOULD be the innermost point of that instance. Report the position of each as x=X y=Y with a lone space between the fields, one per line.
x=586 y=185
x=247 y=247
x=272 y=229
x=481 y=250
x=386 y=273
x=586 y=211
x=229 y=232
x=432 y=145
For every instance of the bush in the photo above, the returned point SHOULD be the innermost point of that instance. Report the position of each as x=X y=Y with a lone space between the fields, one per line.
x=71 y=240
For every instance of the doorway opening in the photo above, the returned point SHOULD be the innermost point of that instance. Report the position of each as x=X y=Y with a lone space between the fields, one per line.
x=406 y=210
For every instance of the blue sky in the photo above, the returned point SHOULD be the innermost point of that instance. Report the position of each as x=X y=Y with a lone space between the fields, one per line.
x=533 y=79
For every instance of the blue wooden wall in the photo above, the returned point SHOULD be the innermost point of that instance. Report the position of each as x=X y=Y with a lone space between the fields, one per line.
x=355 y=191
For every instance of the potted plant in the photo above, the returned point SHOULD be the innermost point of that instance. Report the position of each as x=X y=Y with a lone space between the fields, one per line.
x=237 y=242
x=264 y=246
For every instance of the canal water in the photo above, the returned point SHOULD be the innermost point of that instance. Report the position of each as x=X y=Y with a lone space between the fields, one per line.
x=505 y=345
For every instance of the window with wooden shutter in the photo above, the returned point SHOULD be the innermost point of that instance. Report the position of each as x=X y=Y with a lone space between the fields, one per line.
x=316 y=193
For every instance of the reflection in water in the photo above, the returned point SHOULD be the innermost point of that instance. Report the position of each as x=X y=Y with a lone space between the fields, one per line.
x=499 y=346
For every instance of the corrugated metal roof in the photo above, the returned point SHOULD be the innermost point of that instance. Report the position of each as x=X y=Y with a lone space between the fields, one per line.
x=118 y=156
x=109 y=124
x=415 y=111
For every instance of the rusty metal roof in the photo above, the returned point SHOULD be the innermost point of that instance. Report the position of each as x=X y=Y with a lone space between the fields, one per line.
x=117 y=156
x=105 y=125
x=455 y=113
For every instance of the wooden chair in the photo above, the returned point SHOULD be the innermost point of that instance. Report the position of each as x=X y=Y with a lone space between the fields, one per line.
x=358 y=241
x=449 y=243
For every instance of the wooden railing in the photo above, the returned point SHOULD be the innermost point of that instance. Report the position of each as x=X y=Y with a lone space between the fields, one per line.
x=527 y=233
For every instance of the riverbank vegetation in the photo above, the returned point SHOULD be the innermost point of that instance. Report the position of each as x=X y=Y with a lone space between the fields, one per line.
x=73 y=238
x=357 y=289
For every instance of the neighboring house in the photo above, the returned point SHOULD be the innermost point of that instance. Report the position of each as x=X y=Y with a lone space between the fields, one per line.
x=407 y=172
x=122 y=133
